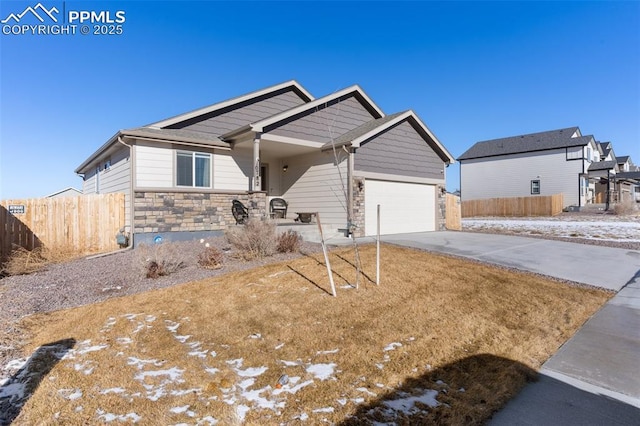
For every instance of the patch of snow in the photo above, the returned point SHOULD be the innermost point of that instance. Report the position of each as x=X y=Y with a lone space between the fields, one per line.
x=290 y=363
x=16 y=364
x=130 y=316
x=367 y=391
x=110 y=417
x=292 y=390
x=124 y=340
x=112 y=390
x=174 y=374
x=208 y=419
x=406 y=405
x=255 y=336
x=179 y=410
x=241 y=411
x=251 y=371
x=302 y=417
x=212 y=370
x=342 y=401
x=140 y=363
x=392 y=346
x=333 y=351
x=70 y=394
x=280 y=346
x=182 y=392
x=13 y=391
x=321 y=371
x=182 y=339
x=324 y=410
x=172 y=326
x=199 y=354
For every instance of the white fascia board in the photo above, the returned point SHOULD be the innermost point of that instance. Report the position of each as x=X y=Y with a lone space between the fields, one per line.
x=260 y=125
x=233 y=101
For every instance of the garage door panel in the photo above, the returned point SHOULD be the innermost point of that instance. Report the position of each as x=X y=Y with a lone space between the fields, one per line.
x=404 y=207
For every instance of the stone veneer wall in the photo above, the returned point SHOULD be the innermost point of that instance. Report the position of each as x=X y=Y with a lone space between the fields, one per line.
x=191 y=211
x=358 y=206
x=441 y=208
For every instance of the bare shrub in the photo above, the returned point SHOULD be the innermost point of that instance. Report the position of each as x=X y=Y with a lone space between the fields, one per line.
x=23 y=261
x=624 y=208
x=211 y=258
x=158 y=260
x=289 y=242
x=255 y=240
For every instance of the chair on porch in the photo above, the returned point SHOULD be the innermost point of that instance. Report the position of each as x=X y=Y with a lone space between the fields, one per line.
x=278 y=208
x=240 y=212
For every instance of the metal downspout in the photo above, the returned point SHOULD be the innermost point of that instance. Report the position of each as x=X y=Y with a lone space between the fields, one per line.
x=131 y=195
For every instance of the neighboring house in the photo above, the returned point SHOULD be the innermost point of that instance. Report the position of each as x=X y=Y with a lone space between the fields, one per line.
x=327 y=155
x=67 y=192
x=545 y=163
x=627 y=180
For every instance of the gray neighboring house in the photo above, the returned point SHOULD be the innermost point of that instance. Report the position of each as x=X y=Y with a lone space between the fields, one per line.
x=67 y=192
x=180 y=175
x=544 y=163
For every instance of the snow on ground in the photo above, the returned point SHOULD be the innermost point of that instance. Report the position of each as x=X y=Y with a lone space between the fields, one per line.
x=160 y=379
x=577 y=227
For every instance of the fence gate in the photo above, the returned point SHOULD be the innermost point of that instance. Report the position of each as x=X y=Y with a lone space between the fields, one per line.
x=453 y=213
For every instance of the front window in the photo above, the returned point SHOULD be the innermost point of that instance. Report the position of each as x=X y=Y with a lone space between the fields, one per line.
x=193 y=169
x=535 y=187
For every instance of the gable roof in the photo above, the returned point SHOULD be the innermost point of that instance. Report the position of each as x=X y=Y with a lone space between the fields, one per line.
x=291 y=84
x=261 y=125
x=68 y=189
x=541 y=141
x=370 y=129
x=622 y=159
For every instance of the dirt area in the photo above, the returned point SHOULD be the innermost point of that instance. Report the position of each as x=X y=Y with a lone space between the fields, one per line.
x=587 y=228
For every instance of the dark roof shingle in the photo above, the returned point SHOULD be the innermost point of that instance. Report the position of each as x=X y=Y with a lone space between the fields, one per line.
x=541 y=141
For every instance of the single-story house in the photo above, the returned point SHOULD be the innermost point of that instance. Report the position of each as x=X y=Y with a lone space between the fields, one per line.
x=67 y=192
x=544 y=163
x=339 y=155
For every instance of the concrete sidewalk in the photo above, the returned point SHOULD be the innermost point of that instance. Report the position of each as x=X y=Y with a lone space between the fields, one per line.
x=594 y=378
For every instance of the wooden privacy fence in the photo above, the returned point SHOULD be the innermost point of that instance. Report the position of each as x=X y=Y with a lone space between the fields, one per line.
x=453 y=222
x=85 y=224
x=548 y=205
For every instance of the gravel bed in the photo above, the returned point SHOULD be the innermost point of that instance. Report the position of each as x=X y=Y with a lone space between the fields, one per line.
x=90 y=280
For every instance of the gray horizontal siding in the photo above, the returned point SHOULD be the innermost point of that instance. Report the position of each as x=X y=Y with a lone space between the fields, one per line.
x=399 y=151
x=116 y=179
x=312 y=184
x=325 y=123
x=224 y=121
x=511 y=176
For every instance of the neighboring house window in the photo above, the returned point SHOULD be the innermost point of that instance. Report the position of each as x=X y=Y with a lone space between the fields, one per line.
x=193 y=169
x=107 y=165
x=535 y=187
x=589 y=153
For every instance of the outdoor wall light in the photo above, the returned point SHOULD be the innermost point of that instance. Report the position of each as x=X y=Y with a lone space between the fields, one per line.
x=285 y=168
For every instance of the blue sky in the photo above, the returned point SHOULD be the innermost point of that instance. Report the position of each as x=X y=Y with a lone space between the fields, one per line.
x=471 y=70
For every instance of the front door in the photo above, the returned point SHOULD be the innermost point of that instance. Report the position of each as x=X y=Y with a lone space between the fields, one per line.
x=264 y=178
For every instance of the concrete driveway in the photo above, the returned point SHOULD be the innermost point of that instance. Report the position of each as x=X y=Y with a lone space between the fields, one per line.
x=605 y=267
x=594 y=377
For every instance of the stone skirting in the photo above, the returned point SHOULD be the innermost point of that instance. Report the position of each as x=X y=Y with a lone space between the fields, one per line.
x=441 y=208
x=191 y=211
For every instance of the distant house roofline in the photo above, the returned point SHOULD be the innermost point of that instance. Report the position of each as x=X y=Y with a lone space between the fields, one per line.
x=532 y=142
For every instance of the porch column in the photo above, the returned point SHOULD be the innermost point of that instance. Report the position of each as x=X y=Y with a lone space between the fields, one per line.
x=255 y=178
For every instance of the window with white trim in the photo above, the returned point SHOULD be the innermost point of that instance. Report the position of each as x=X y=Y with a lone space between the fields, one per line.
x=193 y=169
x=535 y=187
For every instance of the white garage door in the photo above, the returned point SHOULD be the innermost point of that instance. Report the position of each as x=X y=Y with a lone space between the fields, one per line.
x=404 y=207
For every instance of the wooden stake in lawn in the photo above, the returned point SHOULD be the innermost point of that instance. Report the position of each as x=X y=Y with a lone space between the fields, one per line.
x=378 y=248
x=326 y=256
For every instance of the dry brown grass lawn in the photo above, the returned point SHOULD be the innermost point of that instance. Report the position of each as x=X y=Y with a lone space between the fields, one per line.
x=472 y=333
